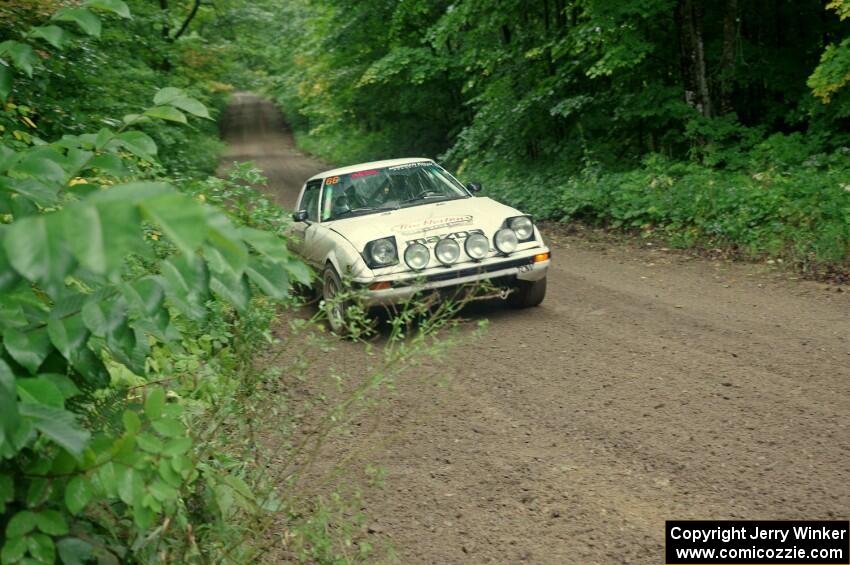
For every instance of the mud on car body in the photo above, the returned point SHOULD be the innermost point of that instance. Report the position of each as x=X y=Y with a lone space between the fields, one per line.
x=403 y=226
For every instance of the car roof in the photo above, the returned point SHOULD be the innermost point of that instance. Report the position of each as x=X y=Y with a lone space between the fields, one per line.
x=371 y=165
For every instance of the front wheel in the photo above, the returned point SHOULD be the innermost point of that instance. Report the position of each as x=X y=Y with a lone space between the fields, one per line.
x=334 y=307
x=528 y=293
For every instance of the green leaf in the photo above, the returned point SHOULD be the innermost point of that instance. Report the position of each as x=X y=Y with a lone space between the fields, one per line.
x=132 y=192
x=30 y=348
x=41 y=548
x=265 y=242
x=167 y=95
x=59 y=425
x=104 y=318
x=109 y=164
x=132 y=423
x=143 y=517
x=88 y=22
x=167 y=113
x=13 y=550
x=233 y=289
x=139 y=144
x=8 y=405
x=270 y=276
x=90 y=367
x=226 y=253
x=68 y=334
x=177 y=446
x=181 y=218
x=65 y=385
x=51 y=522
x=40 y=391
x=37 y=492
x=8 y=277
x=7 y=491
x=78 y=493
x=74 y=551
x=163 y=491
x=168 y=474
x=154 y=403
x=37 y=248
x=187 y=285
x=191 y=105
x=102 y=234
x=145 y=296
x=22 y=55
x=130 y=485
x=54 y=35
x=169 y=427
x=43 y=166
x=300 y=271
x=5 y=82
x=149 y=443
x=21 y=524
x=117 y=7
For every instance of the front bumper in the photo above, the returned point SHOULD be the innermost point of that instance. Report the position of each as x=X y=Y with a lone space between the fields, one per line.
x=520 y=265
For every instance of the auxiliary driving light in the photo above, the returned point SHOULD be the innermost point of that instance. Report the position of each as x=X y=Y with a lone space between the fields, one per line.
x=477 y=246
x=417 y=256
x=447 y=251
x=506 y=240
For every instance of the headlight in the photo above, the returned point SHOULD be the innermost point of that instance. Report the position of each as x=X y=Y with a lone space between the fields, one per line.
x=523 y=227
x=447 y=251
x=381 y=253
x=477 y=246
x=505 y=240
x=417 y=256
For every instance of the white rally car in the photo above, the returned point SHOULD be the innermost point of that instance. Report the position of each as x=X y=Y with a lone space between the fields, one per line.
x=394 y=228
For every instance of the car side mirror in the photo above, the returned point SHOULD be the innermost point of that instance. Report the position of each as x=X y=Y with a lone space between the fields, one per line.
x=473 y=187
x=300 y=216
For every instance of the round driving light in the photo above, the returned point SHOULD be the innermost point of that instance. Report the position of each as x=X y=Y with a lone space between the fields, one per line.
x=447 y=251
x=505 y=240
x=417 y=256
x=477 y=246
x=383 y=252
x=523 y=227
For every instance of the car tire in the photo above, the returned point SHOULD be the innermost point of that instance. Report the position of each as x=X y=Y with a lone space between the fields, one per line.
x=335 y=313
x=527 y=294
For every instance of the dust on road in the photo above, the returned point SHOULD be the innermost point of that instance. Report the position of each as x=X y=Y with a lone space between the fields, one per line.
x=648 y=386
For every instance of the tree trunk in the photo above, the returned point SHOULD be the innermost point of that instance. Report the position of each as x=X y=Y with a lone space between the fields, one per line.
x=727 y=59
x=692 y=49
x=163 y=7
x=188 y=19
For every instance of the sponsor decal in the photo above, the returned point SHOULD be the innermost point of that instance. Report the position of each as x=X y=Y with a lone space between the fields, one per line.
x=432 y=224
x=432 y=240
x=363 y=174
x=411 y=166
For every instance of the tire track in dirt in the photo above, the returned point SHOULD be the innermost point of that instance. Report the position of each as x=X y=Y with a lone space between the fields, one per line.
x=648 y=386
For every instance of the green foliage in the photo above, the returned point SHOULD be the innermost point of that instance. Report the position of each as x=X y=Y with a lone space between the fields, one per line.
x=787 y=203
x=110 y=274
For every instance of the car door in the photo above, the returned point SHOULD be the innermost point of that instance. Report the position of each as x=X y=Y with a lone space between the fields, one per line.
x=303 y=233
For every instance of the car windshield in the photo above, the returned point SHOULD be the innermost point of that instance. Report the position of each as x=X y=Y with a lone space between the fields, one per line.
x=388 y=188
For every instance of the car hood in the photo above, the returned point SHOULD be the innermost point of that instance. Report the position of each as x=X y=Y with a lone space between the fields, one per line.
x=425 y=220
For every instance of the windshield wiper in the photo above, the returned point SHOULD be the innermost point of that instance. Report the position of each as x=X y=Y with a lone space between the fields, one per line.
x=424 y=196
x=365 y=209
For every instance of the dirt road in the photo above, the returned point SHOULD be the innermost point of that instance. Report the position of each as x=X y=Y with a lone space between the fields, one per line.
x=650 y=385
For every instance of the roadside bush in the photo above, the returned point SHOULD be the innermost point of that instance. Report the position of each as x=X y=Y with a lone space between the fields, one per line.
x=782 y=204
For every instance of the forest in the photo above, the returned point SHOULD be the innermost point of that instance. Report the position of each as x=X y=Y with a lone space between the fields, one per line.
x=138 y=288
x=708 y=123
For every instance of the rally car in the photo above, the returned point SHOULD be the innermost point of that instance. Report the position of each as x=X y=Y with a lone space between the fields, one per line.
x=398 y=227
